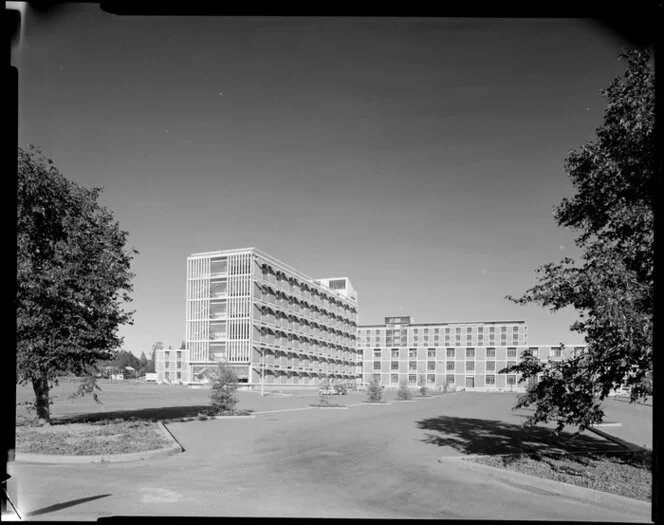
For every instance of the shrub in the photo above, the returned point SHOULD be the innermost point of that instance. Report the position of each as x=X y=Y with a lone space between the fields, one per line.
x=423 y=387
x=374 y=391
x=224 y=385
x=403 y=394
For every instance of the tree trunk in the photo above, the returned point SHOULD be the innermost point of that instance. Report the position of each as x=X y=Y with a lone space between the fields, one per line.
x=42 y=401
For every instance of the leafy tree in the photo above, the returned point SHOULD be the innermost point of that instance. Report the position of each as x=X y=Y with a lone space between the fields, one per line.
x=613 y=287
x=423 y=387
x=143 y=364
x=183 y=346
x=374 y=391
x=224 y=381
x=404 y=392
x=73 y=276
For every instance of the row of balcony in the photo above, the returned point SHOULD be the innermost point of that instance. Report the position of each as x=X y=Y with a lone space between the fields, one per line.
x=302 y=339
x=330 y=302
x=304 y=330
x=293 y=307
x=340 y=357
x=303 y=370
x=287 y=314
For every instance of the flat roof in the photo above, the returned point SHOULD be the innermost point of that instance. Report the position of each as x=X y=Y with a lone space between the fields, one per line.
x=443 y=324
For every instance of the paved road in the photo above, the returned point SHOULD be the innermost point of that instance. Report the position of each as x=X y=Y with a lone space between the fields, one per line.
x=366 y=461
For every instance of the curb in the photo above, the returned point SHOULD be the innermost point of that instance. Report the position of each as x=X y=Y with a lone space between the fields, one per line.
x=581 y=493
x=618 y=441
x=331 y=408
x=384 y=403
x=228 y=417
x=284 y=410
x=174 y=448
x=404 y=401
x=608 y=425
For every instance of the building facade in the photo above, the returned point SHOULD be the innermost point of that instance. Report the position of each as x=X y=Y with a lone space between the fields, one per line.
x=272 y=323
x=467 y=355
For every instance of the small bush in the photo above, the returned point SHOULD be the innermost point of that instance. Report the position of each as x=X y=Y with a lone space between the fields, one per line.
x=423 y=387
x=374 y=391
x=224 y=382
x=202 y=417
x=403 y=394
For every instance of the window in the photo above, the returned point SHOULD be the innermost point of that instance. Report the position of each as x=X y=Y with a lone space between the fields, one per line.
x=492 y=329
x=503 y=329
x=179 y=364
x=394 y=378
x=490 y=365
x=511 y=363
x=431 y=378
x=515 y=329
x=167 y=364
x=480 y=329
x=450 y=353
x=412 y=365
x=412 y=353
x=449 y=379
x=511 y=380
x=470 y=353
x=557 y=352
x=503 y=337
x=376 y=365
x=490 y=380
x=447 y=330
x=449 y=365
x=412 y=379
x=470 y=366
x=490 y=352
x=458 y=337
x=431 y=352
x=470 y=382
x=431 y=365
x=511 y=352
x=377 y=352
x=395 y=352
x=178 y=375
x=480 y=337
x=469 y=338
x=469 y=329
x=458 y=330
x=394 y=365
x=179 y=354
x=376 y=377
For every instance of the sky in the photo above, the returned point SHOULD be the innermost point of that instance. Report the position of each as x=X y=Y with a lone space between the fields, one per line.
x=422 y=158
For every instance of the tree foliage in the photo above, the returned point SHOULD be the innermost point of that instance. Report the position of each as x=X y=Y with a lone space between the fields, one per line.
x=224 y=381
x=404 y=394
x=374 y=391
x=612 y=288
x=73 y=277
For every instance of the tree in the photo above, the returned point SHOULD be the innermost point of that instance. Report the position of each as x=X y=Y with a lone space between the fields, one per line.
x=374 y=391
x=143 y=364
x=403 y=393
x=224 y=384
x=183 y=346
x=612 y=288
x=73 y=276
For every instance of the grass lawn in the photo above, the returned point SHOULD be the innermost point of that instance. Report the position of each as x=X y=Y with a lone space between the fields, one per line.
x=88 y=439
x=626 y=474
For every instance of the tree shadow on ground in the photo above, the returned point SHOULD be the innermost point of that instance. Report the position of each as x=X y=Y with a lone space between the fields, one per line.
x=147 y=414
x=484 y=436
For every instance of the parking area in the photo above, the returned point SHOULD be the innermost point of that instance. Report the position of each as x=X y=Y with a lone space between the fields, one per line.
x=366 y=461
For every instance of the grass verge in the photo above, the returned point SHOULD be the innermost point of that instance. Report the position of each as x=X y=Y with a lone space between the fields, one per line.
x=90 y=439
x=625 y=474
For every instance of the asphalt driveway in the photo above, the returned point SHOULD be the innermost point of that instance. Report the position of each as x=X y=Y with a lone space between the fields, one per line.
x=366 y=461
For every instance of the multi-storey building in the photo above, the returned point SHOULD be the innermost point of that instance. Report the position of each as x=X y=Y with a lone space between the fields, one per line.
x=272 y=323
x=468 y=355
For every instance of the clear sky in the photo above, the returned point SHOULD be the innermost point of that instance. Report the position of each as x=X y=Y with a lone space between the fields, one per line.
x=421 y=158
